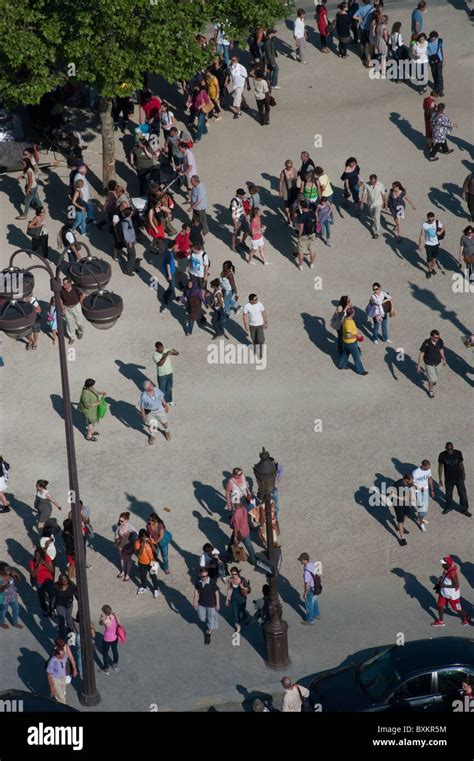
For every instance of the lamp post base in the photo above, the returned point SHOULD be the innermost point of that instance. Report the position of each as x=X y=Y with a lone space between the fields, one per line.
x=89 y=700
x=276 y=640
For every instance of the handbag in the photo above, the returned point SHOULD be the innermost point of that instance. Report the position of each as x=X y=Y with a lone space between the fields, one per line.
x=121 y=634
x=167 y=537
x=306 y=706
x=239 y=553
x=438 y=228
x=371 y=309
x=101 y=408
x=387 y=306
x=35 y=232
x=434 y=57
x=206 y=108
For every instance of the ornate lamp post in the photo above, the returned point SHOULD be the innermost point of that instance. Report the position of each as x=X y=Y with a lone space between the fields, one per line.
x=102 y=309
x=276 y=630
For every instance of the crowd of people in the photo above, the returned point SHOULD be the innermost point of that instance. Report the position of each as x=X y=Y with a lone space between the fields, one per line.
x=162 y=157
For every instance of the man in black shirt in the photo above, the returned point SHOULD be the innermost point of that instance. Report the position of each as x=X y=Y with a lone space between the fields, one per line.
x=306 y=235
x=402 y=497
x=432 y=354
x=452 y=462
x=206 y=602
x=307 y=165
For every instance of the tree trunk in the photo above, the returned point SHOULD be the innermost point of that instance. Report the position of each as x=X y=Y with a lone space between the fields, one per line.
x=108 y=140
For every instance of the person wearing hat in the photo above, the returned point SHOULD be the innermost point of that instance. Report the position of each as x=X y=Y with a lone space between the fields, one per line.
x=310 y=601
x=448 y=591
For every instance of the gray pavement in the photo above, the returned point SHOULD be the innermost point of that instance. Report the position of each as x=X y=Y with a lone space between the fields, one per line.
x=372 y=428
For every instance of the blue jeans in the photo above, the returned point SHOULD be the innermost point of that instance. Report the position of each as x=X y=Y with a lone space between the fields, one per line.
x=218 y=321
x=377 y=325
x=164 y=551
x=275 y=497
x=247 y=542
x=90 y=211
x=274 y=70
x=312 y=606
x=170 y=293
x=165 y=384
x=32 y=199
x=224 y=51
x=201 y=128
x=13 y=604
x=326 y=229
x=80 y=222
x=229 y=302
x=78 y=653
x=190 y=326
x=351 y=350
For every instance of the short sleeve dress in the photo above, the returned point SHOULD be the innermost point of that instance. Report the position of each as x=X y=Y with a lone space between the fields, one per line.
x=89 y=397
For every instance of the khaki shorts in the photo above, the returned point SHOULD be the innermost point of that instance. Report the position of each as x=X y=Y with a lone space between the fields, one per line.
x=432 y=372
x=152 y=420
x=307 y=244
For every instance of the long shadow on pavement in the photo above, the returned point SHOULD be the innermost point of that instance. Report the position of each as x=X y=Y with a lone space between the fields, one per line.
x=126 y=413
x=210 y=499
x=381 y=512
x=417 y=591
x=322 y=338
x=78 y=420
x=405 y=365
x=132 y=372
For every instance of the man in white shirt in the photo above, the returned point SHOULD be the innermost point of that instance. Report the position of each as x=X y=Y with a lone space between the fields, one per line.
x=299 y=33
x=429 y=233
x=198 y=265
x=375 y=195
x=423 y=483
x=238 y=75
x=293 y=696
x=255 y=321
x=188 y=167
x=222 y=43
x=86 y=192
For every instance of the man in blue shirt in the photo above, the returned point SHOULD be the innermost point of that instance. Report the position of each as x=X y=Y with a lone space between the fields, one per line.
x=364 y=17
x=436 y=58
x=169 y=271
x=309 y=578
x=199 y=202
x=417 y=18
x=153 y=410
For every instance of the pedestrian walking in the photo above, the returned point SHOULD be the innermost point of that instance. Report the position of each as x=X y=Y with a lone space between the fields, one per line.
x=9 y=596
x=193 y=300
x=396 y=202
x=124 y=534
x=71 y=301
x=352 y=180
x=206 y=602
x=86 y=191
x=237 y=489
x=423 y=483
x=436 y=59
x=419 y=53
x=294 y=696
x=218 y=309
x=44 y=502
x=41 y=570
x=164 y=370
x=56 y=671
x=239 y=217
x=256 y=233
x=129 y=238
x=31 y=188
x=432 y=355
x=300 y=36
x=68 y=539
x=33 y=335
x=324 y=220
x=198 y=203
x=154 y=410
x=430 y=104
x=65 y=591
x=229 y=289
x=468 y=194
x=451 y=469
x=449 y=593
x=38 y=233
x=110 y=621
x=337 y=320
x=417 y=18
x=307 y=234
x=363 y=16
x=255 y=322
x=402 y=495
x=241 y=531
x=322 y=24
x=350 y=341
x=80 y=209
x=90 y=402
x=4 y=478
x=262 y=97
x=441 y=126
x=271 y=55
x=142 y=160
x=169 y=271
x=311 y=588
x=238 y=589
x=288 y=188
x=432 y=231
x=146 y=559
x=343 y=29
x=379 y=308
x=466 y=252
x=160 y=538
x=52 y=320
x=374 y=195
x=238 y=75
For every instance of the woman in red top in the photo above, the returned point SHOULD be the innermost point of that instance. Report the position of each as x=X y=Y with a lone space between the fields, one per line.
x=182 y=255
x=42 y=577
x=429 y=108
x=322 y=21
x=155 y=227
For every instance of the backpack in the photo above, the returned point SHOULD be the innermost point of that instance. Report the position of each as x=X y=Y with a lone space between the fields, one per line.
x=247 y=588
x=318 y=587
x=310 y=223
x=336 y=320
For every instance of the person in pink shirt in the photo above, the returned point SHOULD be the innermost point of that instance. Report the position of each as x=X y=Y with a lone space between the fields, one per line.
x=241 y=531
x=237 y=488
x=109 y=620
x=188 y=167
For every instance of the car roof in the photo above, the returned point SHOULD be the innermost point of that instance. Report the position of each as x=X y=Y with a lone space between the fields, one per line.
x=435 y=653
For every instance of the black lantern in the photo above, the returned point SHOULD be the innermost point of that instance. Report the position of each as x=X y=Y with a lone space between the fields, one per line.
x=265 y=472
x=102 y=309
x=90 y=273
x=16 y=283
x=17 y=318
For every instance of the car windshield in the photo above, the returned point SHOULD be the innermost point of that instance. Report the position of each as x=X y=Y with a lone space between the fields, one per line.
x=377 y=677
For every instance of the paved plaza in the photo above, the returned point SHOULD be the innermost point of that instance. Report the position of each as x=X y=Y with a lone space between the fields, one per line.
x=335 y=433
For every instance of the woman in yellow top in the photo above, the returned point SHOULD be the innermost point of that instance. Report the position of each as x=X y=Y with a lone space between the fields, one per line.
x=350 y=339
x=325 y=187
x=212 y=86
x=146 y=556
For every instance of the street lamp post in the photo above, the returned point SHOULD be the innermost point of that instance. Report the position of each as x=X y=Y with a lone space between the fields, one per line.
x=276 y=630
x=16 y=321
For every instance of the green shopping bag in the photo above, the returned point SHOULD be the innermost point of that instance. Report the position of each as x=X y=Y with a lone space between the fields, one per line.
x=102 y=408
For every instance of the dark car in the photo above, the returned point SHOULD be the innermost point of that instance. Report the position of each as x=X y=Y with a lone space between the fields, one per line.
x=424 y=675
x=15 y=135
x=20 y=701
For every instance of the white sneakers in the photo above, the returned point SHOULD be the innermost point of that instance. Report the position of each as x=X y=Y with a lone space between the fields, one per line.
x=141 y=591
x=156 y=593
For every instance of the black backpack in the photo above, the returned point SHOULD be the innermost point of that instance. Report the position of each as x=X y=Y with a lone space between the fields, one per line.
x=318 y=587
x=310 y=223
